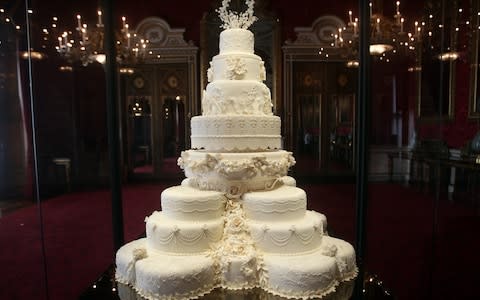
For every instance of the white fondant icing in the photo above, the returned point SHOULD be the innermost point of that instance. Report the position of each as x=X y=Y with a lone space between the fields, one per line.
x=237 y=97
x=344 y=256
x=174 y=277
x=279 y=205
x=289 y=238
x=304 y=276
x=236 y=41
x=125 y=261
x=235 y=173
x=235 y=254
x=236 y=133
x=181 y=237
x=236 y=166
x=237 y=221
x=188 y=204
x=238 y=66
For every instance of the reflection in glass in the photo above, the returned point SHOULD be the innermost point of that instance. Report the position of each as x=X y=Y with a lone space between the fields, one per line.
x=173 y=127
x=438 y=61
x=140 y=117
x=474 y=101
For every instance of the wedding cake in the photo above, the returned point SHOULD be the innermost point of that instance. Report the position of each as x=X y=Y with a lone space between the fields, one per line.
x=237 y=221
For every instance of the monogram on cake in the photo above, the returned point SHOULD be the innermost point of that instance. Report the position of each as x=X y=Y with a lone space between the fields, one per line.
x=237 y=221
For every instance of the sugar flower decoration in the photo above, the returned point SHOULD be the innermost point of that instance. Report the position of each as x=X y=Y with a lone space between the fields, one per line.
x=236 y=67
x=232 y=19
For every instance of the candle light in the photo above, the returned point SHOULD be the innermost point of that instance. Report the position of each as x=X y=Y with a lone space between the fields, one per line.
x=65 y=37
x=371 y=8
x=355 y=28
x=79 y=22
x=350 y=16
x=100 y=24
x=398 y=7
x=401 y=24
x=378 y=25
x=60 y=41
x=128 y=40
x=124 y=21
x=84 y=33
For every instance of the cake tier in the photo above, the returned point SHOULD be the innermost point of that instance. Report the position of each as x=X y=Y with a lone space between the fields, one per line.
x=184 y=203
x=235 y=173
x=236 y=66
x=236 y=40
x=313 y=275
x=236 y=133
x=181 y=237
x=161 y=277
x=236 y=97
x=125 y=260
x=240 y=273
x=344 y=255
x=285 y=203
x=289 y=237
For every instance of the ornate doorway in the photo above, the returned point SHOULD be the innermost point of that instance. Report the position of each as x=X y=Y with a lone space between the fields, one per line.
x=319 y=102
x=160 y=96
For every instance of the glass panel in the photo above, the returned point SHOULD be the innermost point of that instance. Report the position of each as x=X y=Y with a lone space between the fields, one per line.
x=71 y=155
x=422 y=163
x=22 y=253
x=323 y=106
x=140 y=122
x=423 y=151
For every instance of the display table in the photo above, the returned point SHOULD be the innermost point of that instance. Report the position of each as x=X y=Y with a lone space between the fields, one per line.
x=105 y=288
x=459 y=176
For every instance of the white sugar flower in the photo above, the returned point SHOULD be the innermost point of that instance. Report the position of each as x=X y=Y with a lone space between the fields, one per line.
x=236 y=67
x=232 y=19
x=263 y=72
x=210 y=73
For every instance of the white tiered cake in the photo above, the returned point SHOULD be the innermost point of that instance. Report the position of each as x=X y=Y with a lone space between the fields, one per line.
x=237 y=221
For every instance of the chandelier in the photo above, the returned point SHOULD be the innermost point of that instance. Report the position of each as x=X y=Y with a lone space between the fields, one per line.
x=386 y=34
x=86 y=43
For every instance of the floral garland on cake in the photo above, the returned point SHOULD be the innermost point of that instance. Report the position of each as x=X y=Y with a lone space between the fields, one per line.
x=232 y=19
x=236 y=245
x=241 y=169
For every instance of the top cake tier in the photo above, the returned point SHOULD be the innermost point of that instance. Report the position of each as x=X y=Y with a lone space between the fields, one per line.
x=236 y=41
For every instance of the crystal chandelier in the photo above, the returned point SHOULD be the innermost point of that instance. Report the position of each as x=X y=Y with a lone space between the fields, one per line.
x=86 y=43
x=386 y=34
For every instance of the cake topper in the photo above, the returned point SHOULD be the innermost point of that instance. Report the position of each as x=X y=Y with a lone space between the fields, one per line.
x=233 y=19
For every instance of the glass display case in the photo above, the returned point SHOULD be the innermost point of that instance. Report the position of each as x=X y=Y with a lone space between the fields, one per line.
x=382 y=118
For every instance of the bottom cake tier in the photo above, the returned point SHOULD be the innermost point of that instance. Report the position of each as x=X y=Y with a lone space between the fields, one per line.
x=158 y=276
x=162 y=276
